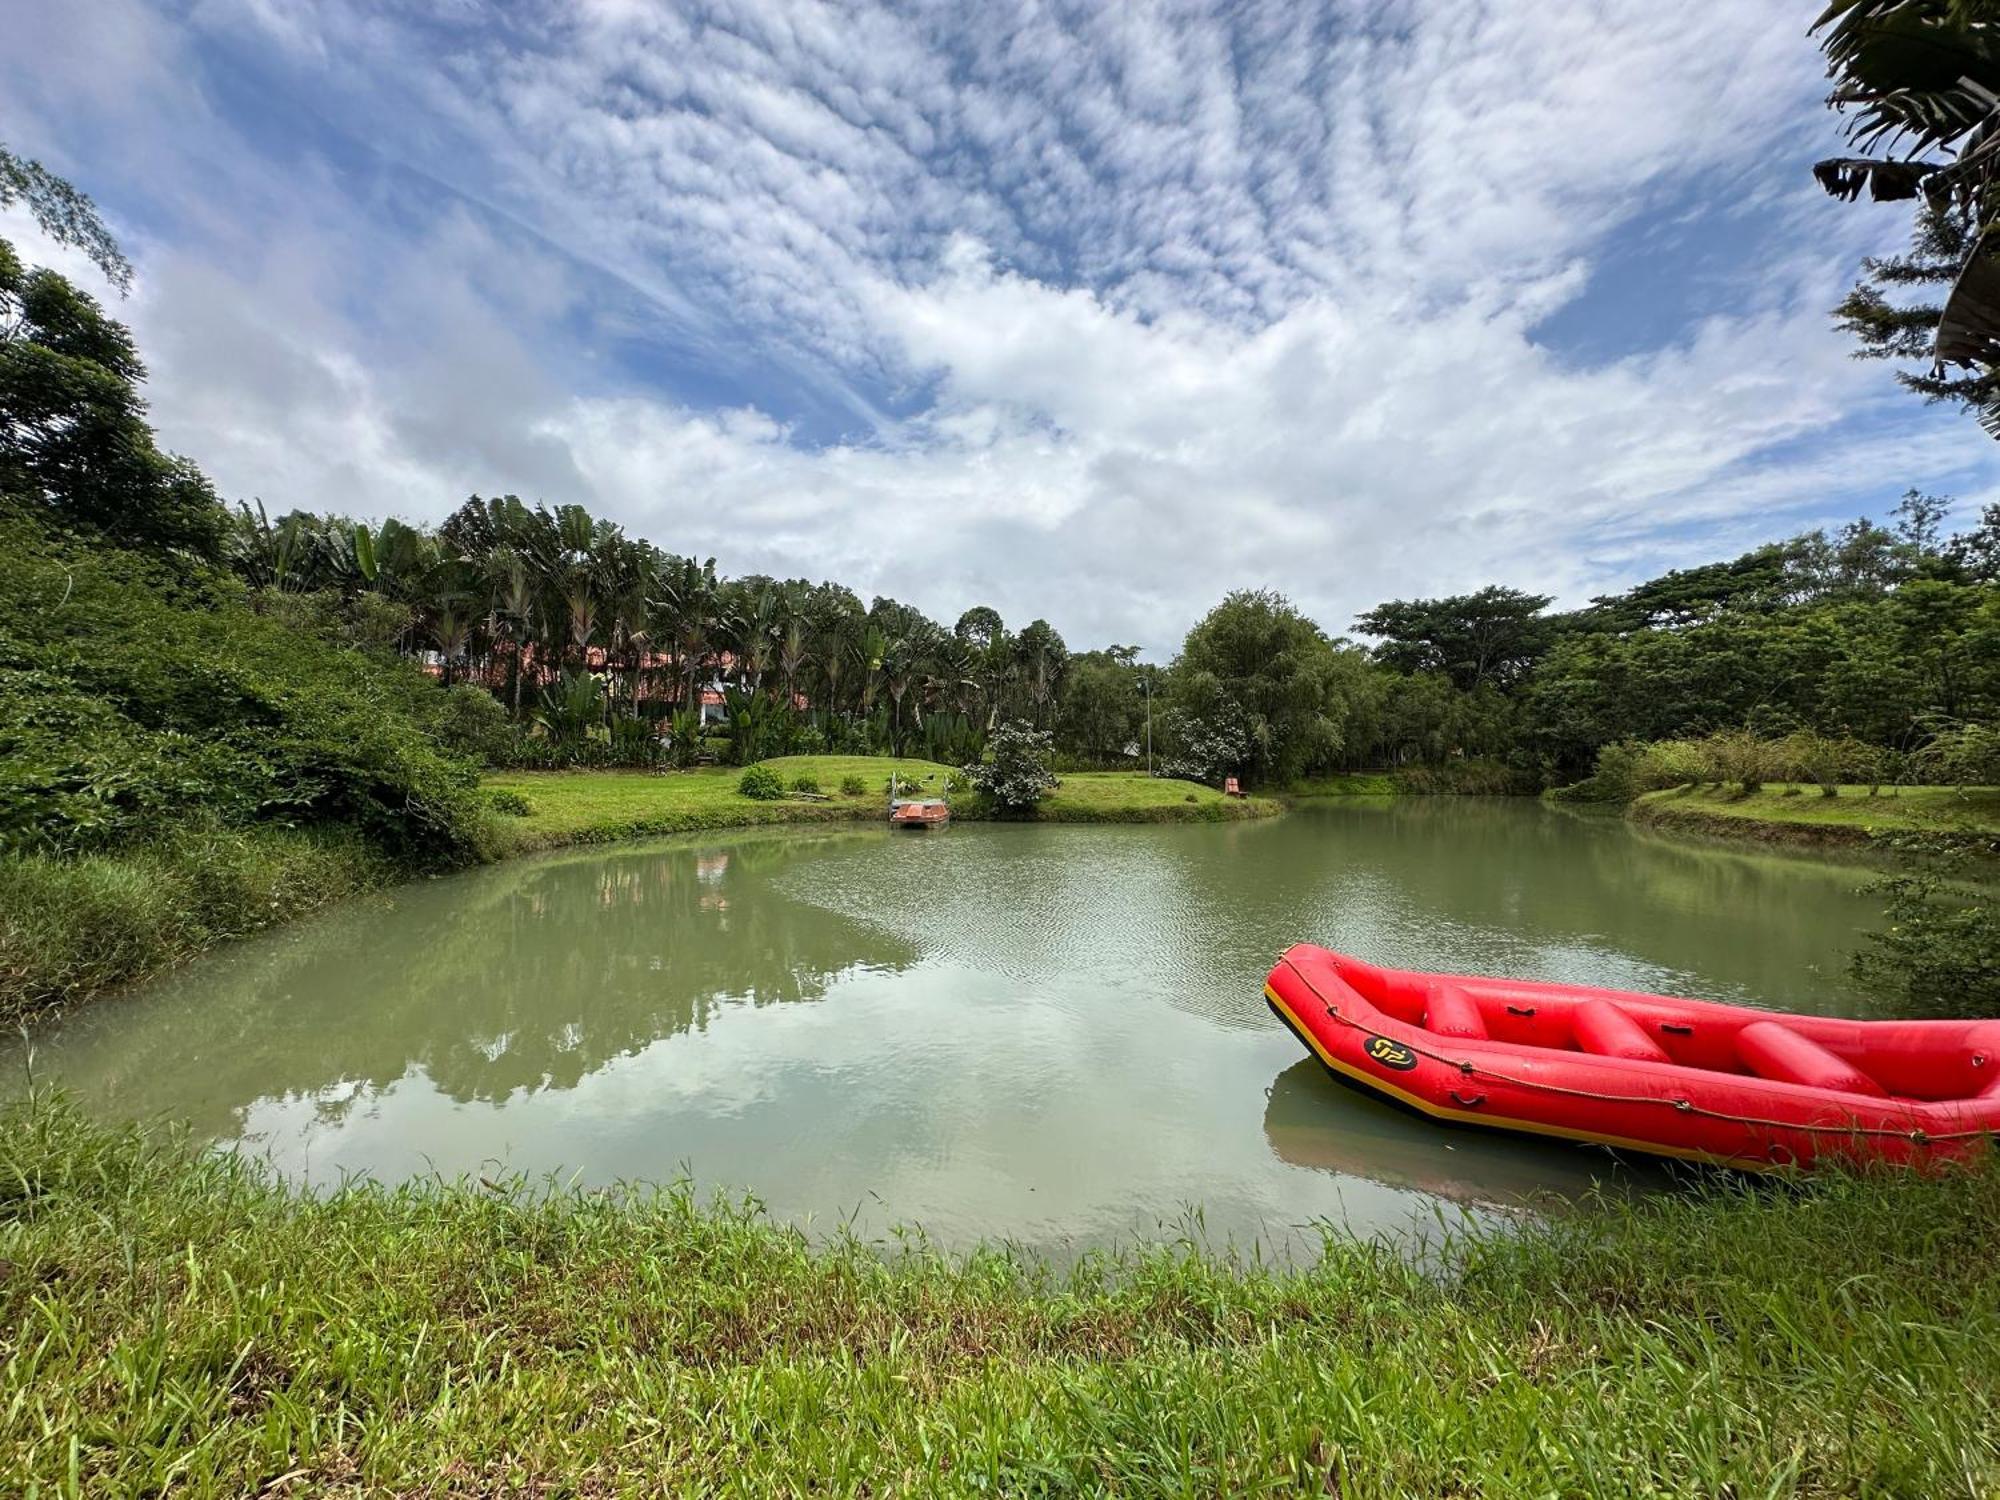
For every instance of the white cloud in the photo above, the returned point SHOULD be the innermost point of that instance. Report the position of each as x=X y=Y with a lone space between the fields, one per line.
x=1186 y=299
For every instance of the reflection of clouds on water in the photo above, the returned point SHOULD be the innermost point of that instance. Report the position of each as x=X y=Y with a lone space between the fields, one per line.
x=1050 y=1034
x=931 y=1095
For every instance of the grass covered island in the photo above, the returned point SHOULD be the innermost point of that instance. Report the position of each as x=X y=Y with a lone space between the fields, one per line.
x=177 y=1323
x=572 y=807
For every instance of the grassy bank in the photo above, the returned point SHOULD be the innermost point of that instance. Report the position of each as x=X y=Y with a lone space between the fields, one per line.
x=589 y=806
x=73 y=926
x=174 y=1321
x=1789 y=813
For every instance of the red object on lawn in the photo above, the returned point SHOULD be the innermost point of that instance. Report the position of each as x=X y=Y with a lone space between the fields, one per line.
x=927 y=813
x=1685 y=1078
x=1230 y=788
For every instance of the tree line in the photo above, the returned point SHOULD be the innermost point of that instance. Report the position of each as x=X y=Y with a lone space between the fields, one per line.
x=1884 y=637
x=603 y=647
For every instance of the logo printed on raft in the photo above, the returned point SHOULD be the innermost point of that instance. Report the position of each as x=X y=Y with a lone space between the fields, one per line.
x=1389 y=1054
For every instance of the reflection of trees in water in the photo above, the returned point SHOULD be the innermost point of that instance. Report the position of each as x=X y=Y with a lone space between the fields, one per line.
x=1311 y=1120
x=523 y=977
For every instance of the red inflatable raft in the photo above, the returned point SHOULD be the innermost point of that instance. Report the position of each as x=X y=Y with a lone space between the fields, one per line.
x=1685 y=1078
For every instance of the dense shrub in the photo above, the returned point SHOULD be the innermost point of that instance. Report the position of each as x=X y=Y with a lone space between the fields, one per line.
x=1016 y=775
x=134 y=694
x=1205 y=747
x=367 y=620
x=1962 y=755
x=471 y=723
x=1475 y=778
x=537 y=752
x=761 y=784
x=805 y=784
x=512 y=804
x=853 y=786
x=633 y=741
x=1735 y=757
x=760 y=727
x=1616 y=778
x=683 y=745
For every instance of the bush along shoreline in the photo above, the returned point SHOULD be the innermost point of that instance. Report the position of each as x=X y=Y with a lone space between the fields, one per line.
x=486 y=1338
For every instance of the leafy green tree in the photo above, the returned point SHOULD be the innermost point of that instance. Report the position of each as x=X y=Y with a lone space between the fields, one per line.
x=65 y=214
x=1256 y=663
x=1763 y=579
x=74 y=441
x=1938 y=952
x=1204 y=744
x=1975 y=554
x=1040 y=660
x=980 y=627
x=1101 y=710
x=1493 y=636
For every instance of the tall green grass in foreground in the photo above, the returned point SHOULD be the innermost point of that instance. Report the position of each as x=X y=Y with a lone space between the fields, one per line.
x=177 y=1322
x=71 y=926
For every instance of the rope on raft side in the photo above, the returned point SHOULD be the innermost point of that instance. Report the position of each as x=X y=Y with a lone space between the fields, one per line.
x=1916 y=1136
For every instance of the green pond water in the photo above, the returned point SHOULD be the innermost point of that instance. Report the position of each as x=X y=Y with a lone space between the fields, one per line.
x=1054 y=1036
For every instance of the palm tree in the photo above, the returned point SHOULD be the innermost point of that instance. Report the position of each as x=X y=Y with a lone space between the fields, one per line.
x=756 y=637
x=685 y=611
x=792 y=656
x=902 y=663
x=513 y=610
x=581 y=610
x=452 y=628
x=1921 y=79
x=835 y=654
x=869 y=650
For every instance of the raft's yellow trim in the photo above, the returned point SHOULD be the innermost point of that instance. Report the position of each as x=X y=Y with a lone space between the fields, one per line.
x=1381 y=1085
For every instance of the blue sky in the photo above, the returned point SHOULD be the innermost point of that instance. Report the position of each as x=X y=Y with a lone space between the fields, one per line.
x=1084 y=311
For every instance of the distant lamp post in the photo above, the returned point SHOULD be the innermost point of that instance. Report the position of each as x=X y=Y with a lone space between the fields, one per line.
x=1146 y=681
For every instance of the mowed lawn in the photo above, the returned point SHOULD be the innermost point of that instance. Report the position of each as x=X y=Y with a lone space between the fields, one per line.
x=586 y=806
x=1134 y=797
x=589 y=806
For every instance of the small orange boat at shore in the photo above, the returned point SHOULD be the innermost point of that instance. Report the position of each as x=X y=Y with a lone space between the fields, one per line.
x=927 y=812
x=1693 y=1079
